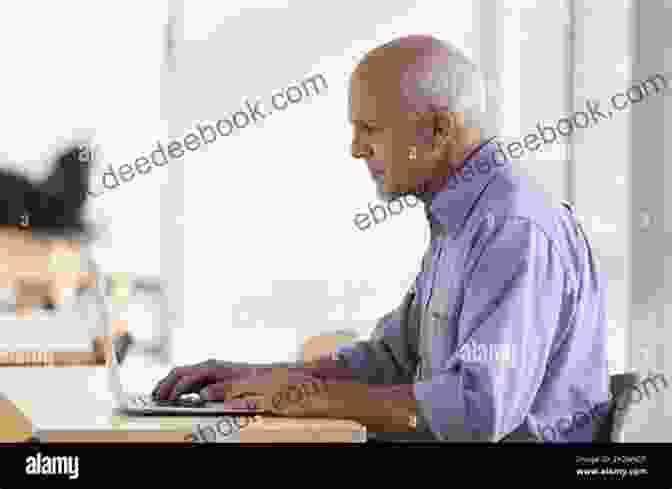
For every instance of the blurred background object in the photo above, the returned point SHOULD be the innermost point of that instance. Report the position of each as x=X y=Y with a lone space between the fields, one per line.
x=139 y=312
x=138 y=307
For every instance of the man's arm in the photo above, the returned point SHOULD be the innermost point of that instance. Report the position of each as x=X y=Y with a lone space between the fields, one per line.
x=391 y=409
x=324 y=368
x=388 y=408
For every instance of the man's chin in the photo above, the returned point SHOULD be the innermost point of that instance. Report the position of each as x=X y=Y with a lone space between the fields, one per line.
x=388 y=196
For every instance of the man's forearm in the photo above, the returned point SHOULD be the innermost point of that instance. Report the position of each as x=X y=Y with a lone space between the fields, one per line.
x=387 y=408
x=379 y=408
x=324 y=368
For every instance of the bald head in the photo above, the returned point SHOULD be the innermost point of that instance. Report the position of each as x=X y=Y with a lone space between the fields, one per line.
x=421 y=73
x=430 y=96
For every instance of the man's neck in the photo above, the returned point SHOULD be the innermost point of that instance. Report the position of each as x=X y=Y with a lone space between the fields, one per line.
x=428 y=190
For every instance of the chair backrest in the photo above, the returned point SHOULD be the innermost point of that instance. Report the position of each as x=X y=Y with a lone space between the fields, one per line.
x=620 y=386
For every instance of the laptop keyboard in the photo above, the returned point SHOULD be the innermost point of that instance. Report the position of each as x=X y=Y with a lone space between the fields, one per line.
x=146 y=401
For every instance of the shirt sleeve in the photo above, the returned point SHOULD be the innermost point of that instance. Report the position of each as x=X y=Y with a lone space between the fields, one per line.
x=514 y=292
x=390 y=356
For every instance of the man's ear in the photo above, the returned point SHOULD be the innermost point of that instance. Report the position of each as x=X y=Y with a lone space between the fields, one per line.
x=446 y=137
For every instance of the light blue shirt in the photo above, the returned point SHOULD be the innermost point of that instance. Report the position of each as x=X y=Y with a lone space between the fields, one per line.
x=505 y=326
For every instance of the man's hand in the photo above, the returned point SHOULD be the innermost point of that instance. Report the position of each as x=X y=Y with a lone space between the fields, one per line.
x=281 y=391
x=296 y=392
x=193 y=378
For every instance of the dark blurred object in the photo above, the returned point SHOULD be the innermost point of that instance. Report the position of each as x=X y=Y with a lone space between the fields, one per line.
x=121 y=346
x=124 y=290
x=121 y=343
x=621 y=386
x=53 y=207
x=148 y=293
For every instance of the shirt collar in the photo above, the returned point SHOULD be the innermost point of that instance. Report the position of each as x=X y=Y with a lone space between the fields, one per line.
x=450 y=207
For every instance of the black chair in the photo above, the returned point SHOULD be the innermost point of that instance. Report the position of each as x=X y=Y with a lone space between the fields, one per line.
x=611 y=429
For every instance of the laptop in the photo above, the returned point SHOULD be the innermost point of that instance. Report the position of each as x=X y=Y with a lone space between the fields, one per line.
x=144 y=404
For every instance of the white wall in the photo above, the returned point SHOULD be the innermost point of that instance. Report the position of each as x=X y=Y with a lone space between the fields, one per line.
x=528 y=45
x=602 y=156
x=649 y=337
x=620 y=180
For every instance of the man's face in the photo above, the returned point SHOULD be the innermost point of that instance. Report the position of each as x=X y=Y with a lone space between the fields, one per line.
x=383 y=133
x=39 y=272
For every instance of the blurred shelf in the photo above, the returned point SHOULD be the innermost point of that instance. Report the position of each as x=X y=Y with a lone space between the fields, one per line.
x=49 y=359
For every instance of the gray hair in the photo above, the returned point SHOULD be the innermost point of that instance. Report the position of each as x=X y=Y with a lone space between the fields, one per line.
x=444 y=78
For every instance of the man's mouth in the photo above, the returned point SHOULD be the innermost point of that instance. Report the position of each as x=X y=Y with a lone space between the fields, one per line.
x=376 y=168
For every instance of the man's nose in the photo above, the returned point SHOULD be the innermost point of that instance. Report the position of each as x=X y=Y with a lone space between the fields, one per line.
x=360 y=150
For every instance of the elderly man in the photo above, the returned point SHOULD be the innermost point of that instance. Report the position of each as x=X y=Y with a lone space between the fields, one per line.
x=506 y=271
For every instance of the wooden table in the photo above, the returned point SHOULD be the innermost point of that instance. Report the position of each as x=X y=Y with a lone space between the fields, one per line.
x=73 y=404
